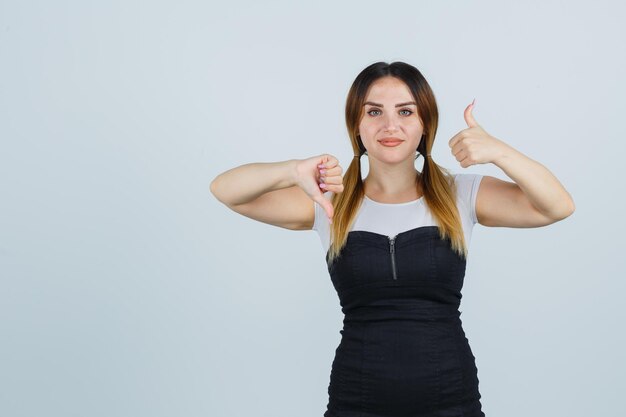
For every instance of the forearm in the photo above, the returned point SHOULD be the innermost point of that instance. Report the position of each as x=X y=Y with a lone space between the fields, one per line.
x=247 y=182
x=541 y=187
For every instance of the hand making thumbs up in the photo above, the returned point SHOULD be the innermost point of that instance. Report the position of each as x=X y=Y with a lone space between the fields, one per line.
x=474 y=145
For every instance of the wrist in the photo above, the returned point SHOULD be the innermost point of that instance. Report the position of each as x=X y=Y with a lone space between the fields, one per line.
x=292 y=172
x=505 y=154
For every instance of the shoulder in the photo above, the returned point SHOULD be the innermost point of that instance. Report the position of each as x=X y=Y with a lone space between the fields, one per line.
x=466 y=177
x=467 y=183
x=466 y=191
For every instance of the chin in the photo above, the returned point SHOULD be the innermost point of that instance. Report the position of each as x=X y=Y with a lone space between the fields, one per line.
x=393 y=158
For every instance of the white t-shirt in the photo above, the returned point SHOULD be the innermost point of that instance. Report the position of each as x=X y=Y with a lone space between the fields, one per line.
x=391 y=219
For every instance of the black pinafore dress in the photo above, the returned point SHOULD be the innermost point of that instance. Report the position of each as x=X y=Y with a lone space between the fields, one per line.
x=403 y=351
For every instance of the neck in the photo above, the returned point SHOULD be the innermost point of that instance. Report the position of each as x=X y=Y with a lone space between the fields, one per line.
x=391 y=183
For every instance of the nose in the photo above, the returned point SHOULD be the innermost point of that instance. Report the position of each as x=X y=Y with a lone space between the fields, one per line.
x=390 y=123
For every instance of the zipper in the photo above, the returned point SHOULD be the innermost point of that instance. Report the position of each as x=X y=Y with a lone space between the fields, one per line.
x=392 y=251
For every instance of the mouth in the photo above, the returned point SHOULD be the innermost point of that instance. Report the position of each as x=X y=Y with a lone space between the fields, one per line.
x=390 y=141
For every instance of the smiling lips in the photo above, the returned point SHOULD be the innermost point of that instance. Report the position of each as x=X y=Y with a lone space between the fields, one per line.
x=390 y=142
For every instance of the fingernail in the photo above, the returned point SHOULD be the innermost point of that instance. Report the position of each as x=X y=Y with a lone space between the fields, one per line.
x=323 y=185
x=322 y=171
x=321 y=166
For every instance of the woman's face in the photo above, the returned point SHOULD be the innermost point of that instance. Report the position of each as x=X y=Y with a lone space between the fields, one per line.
x=383 y=118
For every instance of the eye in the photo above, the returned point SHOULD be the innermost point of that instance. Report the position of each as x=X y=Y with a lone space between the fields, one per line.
x=407 y=110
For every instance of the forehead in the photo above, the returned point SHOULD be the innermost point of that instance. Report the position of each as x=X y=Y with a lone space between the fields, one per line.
x=389 y=89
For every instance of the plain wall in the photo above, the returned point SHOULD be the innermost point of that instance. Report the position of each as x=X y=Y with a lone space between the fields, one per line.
x=127 y=289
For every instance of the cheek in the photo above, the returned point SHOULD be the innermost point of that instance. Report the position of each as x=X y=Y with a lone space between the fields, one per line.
x=415 y=130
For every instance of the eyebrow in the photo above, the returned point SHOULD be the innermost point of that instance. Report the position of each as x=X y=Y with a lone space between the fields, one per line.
x=397 y=105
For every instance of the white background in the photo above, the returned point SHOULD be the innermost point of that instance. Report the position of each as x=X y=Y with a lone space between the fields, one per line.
x=127 y=289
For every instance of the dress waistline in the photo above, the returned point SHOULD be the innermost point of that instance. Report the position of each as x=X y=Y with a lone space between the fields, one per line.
x=417 y=312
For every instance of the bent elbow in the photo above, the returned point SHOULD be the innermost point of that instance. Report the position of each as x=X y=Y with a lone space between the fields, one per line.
x=568 y=211
x=572 y=208
x=214 y=190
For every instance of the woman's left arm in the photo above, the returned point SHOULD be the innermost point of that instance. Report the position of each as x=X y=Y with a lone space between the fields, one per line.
x=535 y=199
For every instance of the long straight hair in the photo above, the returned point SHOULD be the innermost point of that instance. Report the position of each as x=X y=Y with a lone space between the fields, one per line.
x=436 y=182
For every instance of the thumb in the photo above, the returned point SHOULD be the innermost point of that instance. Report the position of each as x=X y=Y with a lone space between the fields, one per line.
x=328 y=208
x=326 y=205
x=469 y=118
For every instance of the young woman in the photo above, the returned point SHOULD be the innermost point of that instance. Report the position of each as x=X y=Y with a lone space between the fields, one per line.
x=396 y=242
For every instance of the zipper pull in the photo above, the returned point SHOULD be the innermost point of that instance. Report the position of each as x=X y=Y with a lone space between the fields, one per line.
x=392 y=250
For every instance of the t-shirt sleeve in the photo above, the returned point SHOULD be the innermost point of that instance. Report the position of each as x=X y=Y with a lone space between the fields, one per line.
x=467 y=188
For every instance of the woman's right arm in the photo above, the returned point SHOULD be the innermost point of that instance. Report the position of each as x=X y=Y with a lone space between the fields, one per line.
x=246 y=183
x=279 y=193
